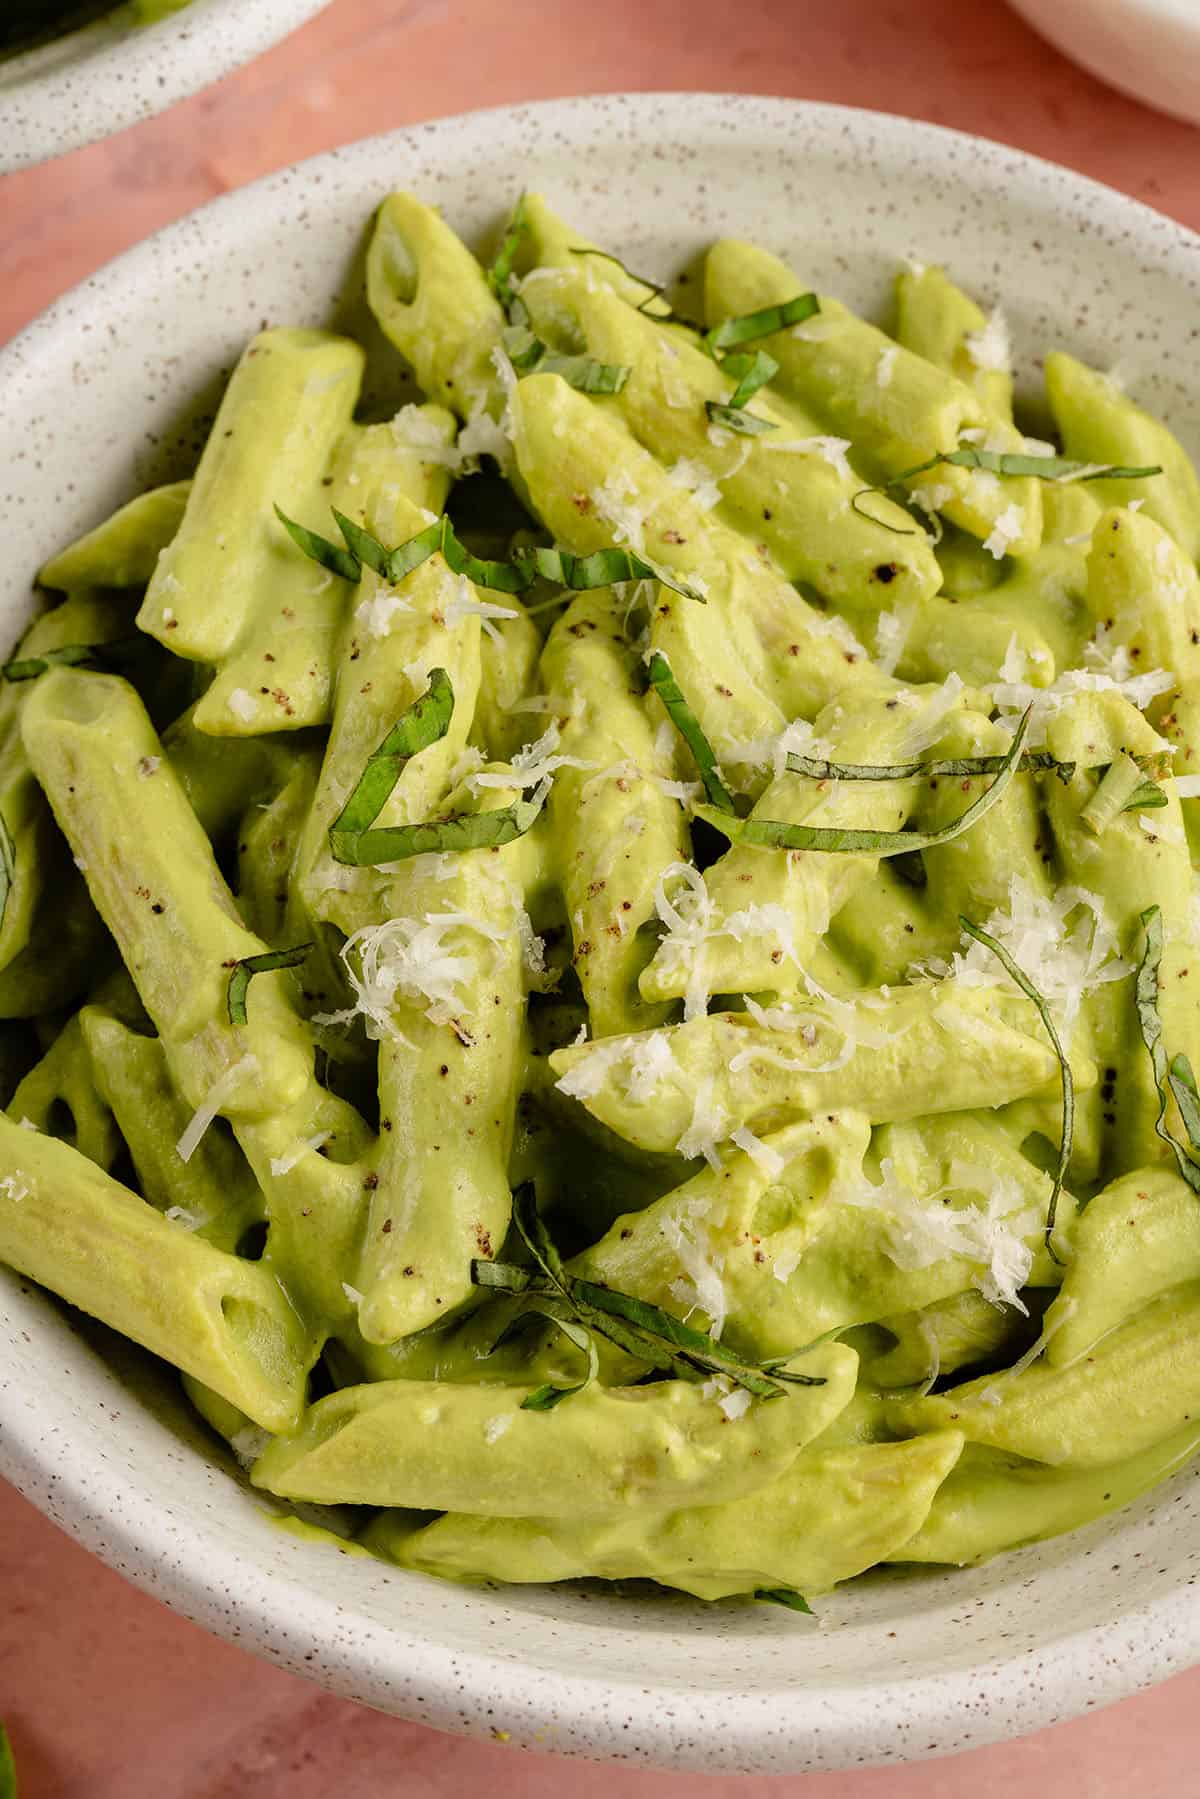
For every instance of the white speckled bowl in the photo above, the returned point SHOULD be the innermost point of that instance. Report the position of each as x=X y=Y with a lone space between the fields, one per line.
x=111 y=73
x=1147 y=48
x=102 y=395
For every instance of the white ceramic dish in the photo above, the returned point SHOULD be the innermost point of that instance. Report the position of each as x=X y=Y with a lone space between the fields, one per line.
x=1147 y=48
x=107 y=75
x=101 y=397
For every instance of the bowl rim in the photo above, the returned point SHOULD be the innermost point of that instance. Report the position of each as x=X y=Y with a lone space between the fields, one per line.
x=135 y=76
x=670 y=1727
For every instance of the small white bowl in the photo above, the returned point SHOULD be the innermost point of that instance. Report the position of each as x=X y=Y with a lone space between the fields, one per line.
x=109 y=74
x=1147 y=48
x=111 y=390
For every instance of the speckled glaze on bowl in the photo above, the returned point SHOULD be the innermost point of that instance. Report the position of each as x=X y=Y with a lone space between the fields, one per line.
x=105 y=393
x=111 y=73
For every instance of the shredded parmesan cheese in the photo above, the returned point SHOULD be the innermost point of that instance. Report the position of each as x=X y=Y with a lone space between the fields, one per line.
x=221 y=1090
x=285 y=1163
x=991 y=348
x=1005 y=532
x=242 y=705
x=760 y=1153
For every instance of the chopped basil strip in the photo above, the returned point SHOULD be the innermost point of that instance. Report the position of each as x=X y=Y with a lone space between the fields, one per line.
x=603 y=568
x=1027 y=987
x=643 y=1330
x=732 y=332
x=734 y=418
x=423 y=723
x=600 y=569
x=527 y=353
x=1145 y=995
x=362 y=546
x=506 y=1277
x=499 y=577
x=1148 y=796
x=470 y=831
x=1032 y=762
x=885 y=524
x=657 y=291
x=8 y=866
x=688 y=726
x=1045 y=468
x=500 y=275
x=68 y=655
x=522 y=348
x=329 y=555
x=544 y=1399
x=249 y=966
x=795 y=1602
x=1182 y=1082
x=998 y=462
x=751 y=370
x=769 y=833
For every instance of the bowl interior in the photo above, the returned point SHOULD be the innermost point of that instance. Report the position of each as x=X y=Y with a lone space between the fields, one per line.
x=111 y=391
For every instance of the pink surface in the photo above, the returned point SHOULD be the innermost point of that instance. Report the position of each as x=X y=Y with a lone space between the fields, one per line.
x=106 y=1694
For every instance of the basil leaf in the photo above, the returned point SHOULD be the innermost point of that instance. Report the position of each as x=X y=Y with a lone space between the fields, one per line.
x=732 y=332
x=698 y=1349
x=522 y=348
x=362 y=546
x=505 y=1277
x=1032 y=762
x=1064 y=1067
x=1045 y=468
x=1182 y=1082
x=532 y=1231
x=586 y=374
x=769 y=833
x=249 y=966
x=641 y=1329
x=751 y=371
x=734 y=418
x=500 y=274
x=795 y=1602
x=329 y=555
x=1145 y=999
x=603 y=568
x=421 y=724
x=8 y=866
x=472 y=831
x=545 y=1398
x=688 y=725
x=416 y=550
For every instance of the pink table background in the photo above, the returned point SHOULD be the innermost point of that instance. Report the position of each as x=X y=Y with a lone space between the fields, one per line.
x=106 y=1694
